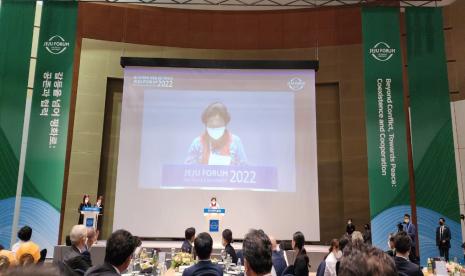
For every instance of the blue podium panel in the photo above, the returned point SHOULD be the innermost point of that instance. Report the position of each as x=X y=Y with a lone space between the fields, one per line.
x=213 y=211
x=94 y=209
x=214 y=225
x=89 y=222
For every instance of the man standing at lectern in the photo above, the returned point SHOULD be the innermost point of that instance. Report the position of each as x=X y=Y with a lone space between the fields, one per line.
x=443 y=237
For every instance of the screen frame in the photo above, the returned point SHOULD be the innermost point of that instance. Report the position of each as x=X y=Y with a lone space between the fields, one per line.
x=221 y=64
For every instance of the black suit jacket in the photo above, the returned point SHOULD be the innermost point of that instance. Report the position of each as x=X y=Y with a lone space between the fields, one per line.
x=203 y=268
x=230 y=250
x=105 y=269
x=406 y=267
x=186 y=247
x=77 y=261
x=446 y=235
x=279 y=263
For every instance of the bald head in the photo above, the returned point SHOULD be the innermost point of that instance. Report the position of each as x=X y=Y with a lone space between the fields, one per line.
x=274 y=244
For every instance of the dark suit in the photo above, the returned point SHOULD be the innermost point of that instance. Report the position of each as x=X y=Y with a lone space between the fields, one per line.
x=411 y=230
x=186 y=247
x=105 y=269
x=203 y=268
x=77 y=261
x=230 y=250
x=405 y=267
x=350 y=228
x=445 y=236
x=279 y=263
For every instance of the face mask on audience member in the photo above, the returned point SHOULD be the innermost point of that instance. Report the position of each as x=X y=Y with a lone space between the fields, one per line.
x=99 y=202
x=86 y=200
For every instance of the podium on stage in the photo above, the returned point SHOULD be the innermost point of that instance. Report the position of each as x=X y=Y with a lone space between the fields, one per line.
x=213 y=218
x=90 y=216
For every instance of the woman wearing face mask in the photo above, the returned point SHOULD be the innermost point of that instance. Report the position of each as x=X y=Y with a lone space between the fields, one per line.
x=216 y=145
x=85 y=203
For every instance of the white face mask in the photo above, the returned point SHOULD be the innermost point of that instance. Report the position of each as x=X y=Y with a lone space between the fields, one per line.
x=86 y=201
x=216 y=133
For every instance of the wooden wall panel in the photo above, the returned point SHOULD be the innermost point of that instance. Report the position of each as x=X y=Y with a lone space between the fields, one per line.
x=282 y=29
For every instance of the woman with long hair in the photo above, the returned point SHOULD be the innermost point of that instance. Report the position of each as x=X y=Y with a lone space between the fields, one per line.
x=85 y=203
x=301 y=261
x=333 y=257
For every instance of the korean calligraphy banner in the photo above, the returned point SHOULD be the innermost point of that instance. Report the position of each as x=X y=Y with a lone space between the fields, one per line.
x=388 y=175
x=16 y=24
x=48 y=131
x=432 y=139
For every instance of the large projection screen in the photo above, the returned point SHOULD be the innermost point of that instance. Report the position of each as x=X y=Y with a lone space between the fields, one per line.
x=243 y=132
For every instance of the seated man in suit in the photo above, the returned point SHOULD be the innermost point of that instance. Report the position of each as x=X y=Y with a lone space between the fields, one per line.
x=257 y=253
x=227 y=240
x=118 y=253
x=78 y=259
x=403 y=244
x=279 y=263
x=203 y=245
x=189 y=236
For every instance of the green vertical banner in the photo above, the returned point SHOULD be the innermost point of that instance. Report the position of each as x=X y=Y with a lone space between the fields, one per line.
x=48 y=131
x=432 y=139
x=388 y=176
x=16 y=26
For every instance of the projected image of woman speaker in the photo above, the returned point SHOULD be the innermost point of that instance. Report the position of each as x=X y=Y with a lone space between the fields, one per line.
x=216 y=145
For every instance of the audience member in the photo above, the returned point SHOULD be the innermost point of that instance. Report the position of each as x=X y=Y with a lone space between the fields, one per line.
x=411 y=230
x=189 y=236
x=203 y=246
x=392 y=247
x=365 y=260
x=357 y=237
x=344 y=241
x=257 y=253
x=92 y=237
x=278 y=260
x=78 y=259
x=333 y=257
x=367 y=233
x=28 y=253
x=301 y=261
x=118 y=253
x=227 y=240
x=7 y=259
x=42 y=270
x=403 y=244
x=24 y=235
x=298 y=243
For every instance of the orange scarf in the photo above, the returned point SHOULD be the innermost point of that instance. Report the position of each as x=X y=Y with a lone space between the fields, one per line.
x=224 y=148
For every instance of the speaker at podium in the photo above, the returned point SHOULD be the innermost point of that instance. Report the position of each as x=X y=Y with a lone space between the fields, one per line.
x=213 y=220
